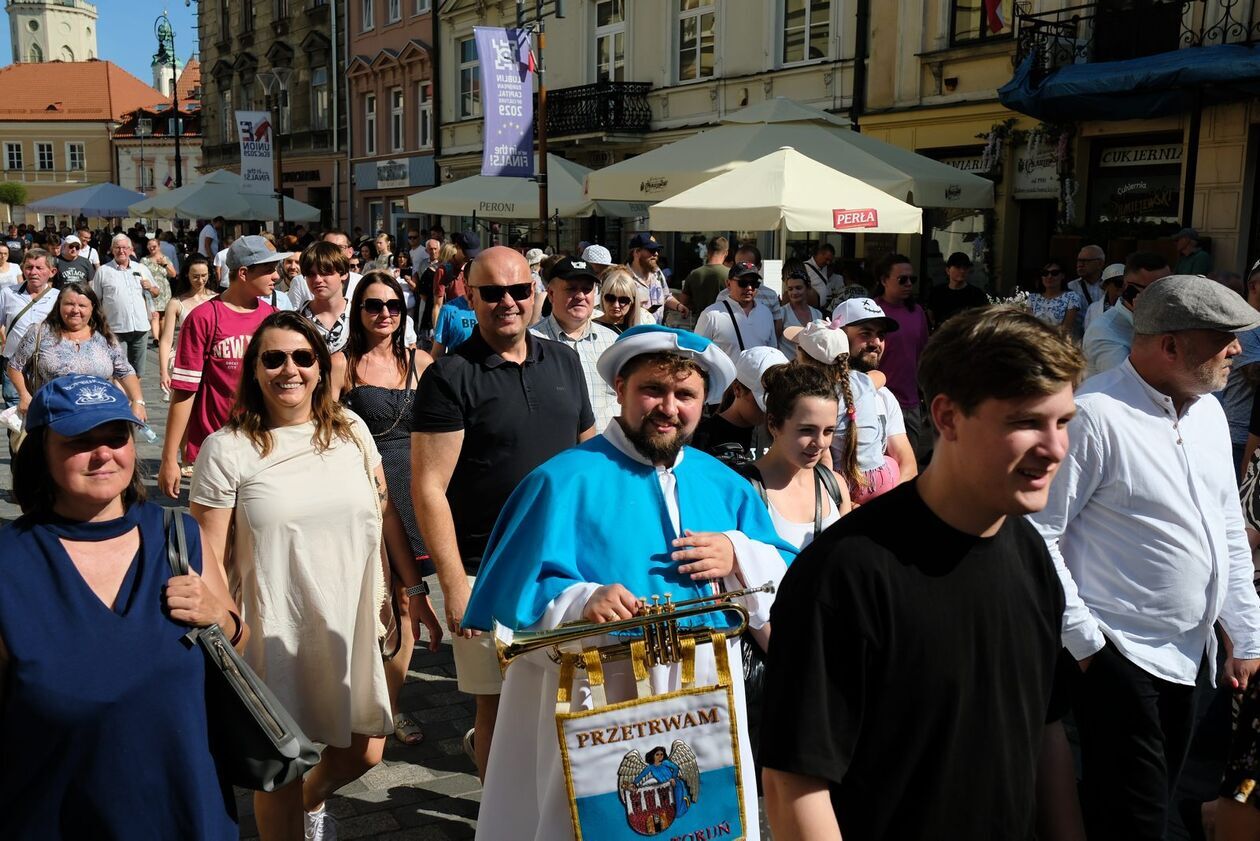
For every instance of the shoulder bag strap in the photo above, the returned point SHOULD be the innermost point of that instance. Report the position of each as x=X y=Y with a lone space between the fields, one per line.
x=753 y=475
x=824 y=478
x=738 y=336
x=25 y=310
x=176 y=540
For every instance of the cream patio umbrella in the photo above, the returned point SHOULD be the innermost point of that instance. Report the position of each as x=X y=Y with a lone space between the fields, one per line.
x=786 y=189
x=761 y=129
x=502 y=197
x=219 y=194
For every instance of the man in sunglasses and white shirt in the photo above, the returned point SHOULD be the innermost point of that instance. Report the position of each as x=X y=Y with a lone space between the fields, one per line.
x=738 y=322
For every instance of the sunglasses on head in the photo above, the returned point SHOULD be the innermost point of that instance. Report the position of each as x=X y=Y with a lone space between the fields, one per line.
x=373 y=306
x=620 y=300
x=492 y=293
x=748 y=282
x=273 y=360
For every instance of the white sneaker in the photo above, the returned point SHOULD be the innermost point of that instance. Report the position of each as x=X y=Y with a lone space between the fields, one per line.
x=320 y=825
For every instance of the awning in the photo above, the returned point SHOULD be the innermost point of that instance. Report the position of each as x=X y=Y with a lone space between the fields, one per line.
x=1152 y=86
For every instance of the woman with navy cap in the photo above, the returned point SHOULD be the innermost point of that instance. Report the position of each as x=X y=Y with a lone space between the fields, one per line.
x=103 y=723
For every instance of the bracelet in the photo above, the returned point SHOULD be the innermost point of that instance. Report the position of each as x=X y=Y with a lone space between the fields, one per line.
x=240 y=627
x=138 y=403
x=421 y=589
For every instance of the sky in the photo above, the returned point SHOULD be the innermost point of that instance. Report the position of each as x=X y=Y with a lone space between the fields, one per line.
x=125 y=33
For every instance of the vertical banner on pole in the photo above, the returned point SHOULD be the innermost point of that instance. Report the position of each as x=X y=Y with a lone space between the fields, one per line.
x=506 y=64
x=256 y=151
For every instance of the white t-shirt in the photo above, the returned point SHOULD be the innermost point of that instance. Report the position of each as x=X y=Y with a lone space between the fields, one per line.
x=220 y=263
x=208 y=232
x=756 y=328
x=890 y=411
x=10 y=275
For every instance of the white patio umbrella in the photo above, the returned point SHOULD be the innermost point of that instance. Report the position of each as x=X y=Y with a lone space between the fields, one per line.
x=502 y=197
x=761 y=129
x=786 y=189
x=219 y=194
x=98 y=200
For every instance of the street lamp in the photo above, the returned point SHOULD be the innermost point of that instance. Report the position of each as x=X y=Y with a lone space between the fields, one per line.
x=166 y=35
x=275 y=84
x=144 y=128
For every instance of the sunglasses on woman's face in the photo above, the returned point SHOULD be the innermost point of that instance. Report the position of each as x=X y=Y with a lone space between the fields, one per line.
x=492 y=293
x=273 y=360
x=620 y=300
x=1051 y=272
x=354 y=264
x=373 y=306
x=907 y=279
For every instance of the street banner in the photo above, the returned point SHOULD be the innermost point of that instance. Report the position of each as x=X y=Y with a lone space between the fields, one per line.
x=256 y=151
x=506 y=64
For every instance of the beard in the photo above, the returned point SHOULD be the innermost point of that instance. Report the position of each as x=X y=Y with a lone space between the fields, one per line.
x=658 y=449
x=865 y=361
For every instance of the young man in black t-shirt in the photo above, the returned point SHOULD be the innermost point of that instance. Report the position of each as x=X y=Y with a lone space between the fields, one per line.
x=911 y=688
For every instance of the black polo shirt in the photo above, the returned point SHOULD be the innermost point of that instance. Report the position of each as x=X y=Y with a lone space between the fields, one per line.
x=514 y=417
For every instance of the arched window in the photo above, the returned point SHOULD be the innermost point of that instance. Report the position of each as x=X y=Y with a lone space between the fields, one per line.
x=37 y=55
x=67 y=54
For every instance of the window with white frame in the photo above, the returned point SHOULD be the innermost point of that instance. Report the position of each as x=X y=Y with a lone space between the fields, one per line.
x=424 y=109
x=697 y=23
x=397 y=128
x=44 y=156
x=146 y=177
x=469 y=79
x=367 y=14
x=369 y=124
x=319 y=98
x=610 y=40
x=422 y=6
x=227 y=120
x=395 y=10
x=806 y=30
x=13 y=156
x=76 y=157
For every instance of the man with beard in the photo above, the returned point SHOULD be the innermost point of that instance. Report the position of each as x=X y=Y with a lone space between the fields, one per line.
x=486 y=414
x=645 y=253
x=866 y=326
x=657 y=517
x=1145 y=527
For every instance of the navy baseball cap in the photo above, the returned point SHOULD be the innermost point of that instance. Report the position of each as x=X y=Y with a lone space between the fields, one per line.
x=71 y=406
x=469 y=242
x=645 y=240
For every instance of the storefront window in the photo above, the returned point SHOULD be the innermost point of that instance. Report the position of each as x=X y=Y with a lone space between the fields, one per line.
x=1136 y=185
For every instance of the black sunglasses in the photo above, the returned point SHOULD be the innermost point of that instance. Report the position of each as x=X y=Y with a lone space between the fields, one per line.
x=1051 y=272
x=492 y=293
x=748 y=282
x=907 y=279
x=373 y=306
x=274 y=359
x=619 y=299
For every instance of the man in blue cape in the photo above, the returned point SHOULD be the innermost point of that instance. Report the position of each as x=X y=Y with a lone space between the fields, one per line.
x=632 y=512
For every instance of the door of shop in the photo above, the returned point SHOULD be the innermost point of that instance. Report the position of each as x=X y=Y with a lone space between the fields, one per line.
x=1036 y=227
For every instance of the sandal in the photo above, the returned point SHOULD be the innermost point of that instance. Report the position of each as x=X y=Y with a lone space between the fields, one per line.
x=407 y=731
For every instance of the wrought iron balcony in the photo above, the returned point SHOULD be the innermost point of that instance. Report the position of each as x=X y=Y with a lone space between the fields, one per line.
x=599 y=108
x=1115 y=30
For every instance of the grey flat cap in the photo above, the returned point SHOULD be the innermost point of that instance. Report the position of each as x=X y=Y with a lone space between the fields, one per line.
x=1191 y=302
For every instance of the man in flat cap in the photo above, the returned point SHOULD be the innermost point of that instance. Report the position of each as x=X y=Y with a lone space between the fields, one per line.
x=1145 y=527
x=630 y=513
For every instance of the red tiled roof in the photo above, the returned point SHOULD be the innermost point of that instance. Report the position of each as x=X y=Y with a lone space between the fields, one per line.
x=71 y=90
x=189 y=81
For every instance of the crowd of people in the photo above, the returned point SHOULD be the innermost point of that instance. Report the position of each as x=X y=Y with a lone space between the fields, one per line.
x=983 y=521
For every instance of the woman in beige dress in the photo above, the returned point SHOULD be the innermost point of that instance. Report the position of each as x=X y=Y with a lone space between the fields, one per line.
x=294 y=481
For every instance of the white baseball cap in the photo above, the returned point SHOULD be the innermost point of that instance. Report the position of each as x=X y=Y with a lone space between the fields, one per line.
x=597 y=254
x=752 y=364
x=857 y=310
x=822 y=340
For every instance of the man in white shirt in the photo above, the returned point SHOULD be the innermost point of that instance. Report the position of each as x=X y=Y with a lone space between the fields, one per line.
x=1146 y=531
x=92 y=255
x=208 y=239
x=1110 y=335
x=818 y=268
x=766 y=296
x=657 y=297
x=220 y=262
x=1089 y=265
x=741 y=321
x=23 y=307
x=126 y=290
x=1112 y=285
x=571 y=287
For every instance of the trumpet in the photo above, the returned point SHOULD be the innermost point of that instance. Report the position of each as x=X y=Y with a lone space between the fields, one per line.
x=657 y=625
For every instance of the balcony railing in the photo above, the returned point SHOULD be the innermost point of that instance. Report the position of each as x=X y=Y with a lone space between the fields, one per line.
x=599 y=108
x=1115 y=30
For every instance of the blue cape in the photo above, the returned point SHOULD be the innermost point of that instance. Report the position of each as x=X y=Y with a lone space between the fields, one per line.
x=591 y=514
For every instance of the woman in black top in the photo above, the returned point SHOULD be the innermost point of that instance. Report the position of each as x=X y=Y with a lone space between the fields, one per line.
x=378 y=379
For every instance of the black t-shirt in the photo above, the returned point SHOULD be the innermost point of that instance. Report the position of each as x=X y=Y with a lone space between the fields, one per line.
x=913 y=667
x=715 y=433
x=78 y=270
x=514 y=417
x=945 y=302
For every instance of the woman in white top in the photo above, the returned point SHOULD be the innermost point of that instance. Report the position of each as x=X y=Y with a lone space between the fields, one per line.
x=292 y=496
x=803 y=495
x=798 y=312
x=192 y=292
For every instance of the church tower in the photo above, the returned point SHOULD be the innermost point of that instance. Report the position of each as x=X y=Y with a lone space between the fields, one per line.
x=50 y=30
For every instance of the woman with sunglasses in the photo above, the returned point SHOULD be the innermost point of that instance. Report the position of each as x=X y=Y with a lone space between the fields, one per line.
x=618 y=293
x=104 y=730
x=798 y=312
x=291 y=495
x=1053 y=302
x=378 y=383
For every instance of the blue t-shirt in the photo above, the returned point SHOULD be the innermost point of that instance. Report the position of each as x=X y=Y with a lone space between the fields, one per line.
x=456 y=322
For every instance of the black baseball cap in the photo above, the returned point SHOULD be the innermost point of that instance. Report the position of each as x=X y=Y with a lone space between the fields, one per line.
x=570 y=269
x=744 y=270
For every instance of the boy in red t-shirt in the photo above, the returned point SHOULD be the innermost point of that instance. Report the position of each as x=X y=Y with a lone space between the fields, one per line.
x=212 y=342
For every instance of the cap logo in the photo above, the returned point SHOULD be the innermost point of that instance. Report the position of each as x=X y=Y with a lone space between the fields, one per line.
x=94 y=395
x=867 y=217
x=578 y=264
x=870 y=306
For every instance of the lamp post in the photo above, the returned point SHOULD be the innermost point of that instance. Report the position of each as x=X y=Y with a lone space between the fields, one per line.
x=275 y=84
x=166 y=36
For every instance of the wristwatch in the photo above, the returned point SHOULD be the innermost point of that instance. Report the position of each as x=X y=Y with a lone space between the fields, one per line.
x=421 y=589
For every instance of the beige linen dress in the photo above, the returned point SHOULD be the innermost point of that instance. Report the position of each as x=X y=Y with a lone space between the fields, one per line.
x=306 y=554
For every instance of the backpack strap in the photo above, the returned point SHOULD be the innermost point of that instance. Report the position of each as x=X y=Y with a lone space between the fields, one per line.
x=824 y=478
x=753 y=475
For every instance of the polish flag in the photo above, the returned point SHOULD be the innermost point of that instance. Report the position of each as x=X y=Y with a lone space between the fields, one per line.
x=993 y=13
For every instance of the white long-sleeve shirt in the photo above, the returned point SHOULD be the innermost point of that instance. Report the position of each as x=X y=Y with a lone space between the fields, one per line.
x=1146 y=531
x=1108 y=339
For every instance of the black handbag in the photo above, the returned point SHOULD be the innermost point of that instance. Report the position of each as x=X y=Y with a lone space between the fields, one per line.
x=255 y=742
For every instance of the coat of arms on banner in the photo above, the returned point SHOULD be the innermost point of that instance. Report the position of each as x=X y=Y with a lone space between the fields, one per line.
x=657 y=791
